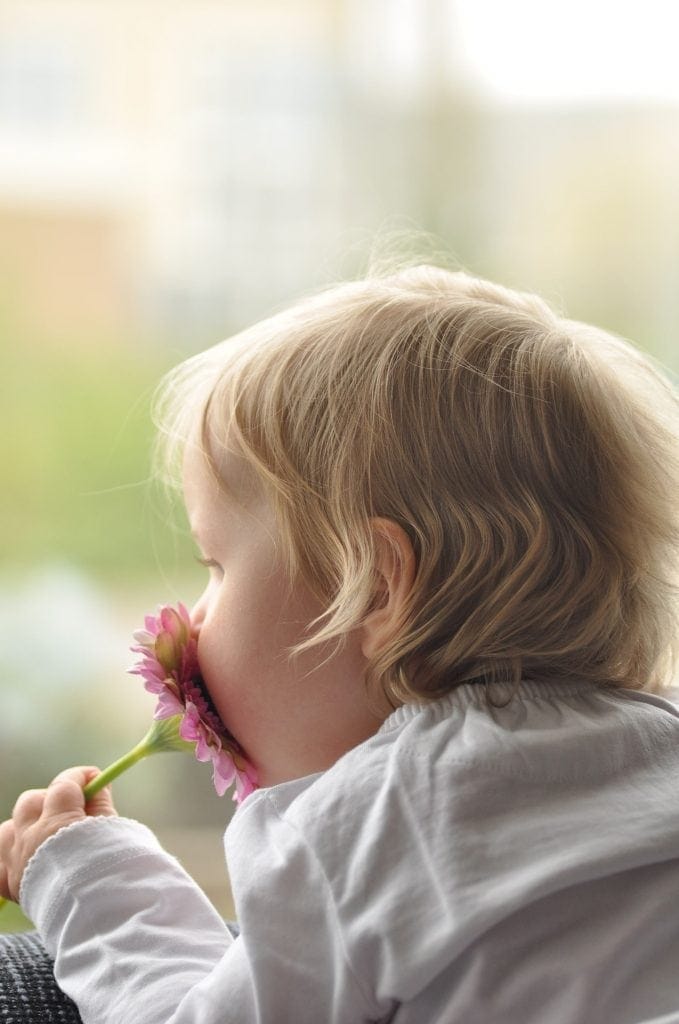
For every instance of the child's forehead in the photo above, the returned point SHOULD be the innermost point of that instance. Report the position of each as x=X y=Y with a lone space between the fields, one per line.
x=220 y=476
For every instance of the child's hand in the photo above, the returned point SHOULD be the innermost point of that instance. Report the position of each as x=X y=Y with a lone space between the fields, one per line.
x=38 y=814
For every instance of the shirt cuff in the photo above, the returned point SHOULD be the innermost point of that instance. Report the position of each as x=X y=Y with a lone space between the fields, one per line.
x=79 y=853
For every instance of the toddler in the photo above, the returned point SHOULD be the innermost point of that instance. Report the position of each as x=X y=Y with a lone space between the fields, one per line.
x=439 y=524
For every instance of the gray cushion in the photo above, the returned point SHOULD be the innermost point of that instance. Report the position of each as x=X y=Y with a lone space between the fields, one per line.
x=28 y=991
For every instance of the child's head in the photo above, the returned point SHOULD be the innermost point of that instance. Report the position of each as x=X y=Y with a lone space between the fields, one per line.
x=531 y=460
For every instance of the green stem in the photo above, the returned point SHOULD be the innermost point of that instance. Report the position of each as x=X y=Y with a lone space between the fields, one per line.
x=162 y=736
x=142 y=749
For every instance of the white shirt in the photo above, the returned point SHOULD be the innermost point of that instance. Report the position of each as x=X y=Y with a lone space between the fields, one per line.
x=468 y=863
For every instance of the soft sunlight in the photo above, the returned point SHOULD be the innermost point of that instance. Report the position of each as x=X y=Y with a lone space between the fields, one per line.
x=537 y=52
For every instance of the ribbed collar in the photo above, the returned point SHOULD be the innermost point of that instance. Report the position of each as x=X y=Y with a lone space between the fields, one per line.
x=479 y=694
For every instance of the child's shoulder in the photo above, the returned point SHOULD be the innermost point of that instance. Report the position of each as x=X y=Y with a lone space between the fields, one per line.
x=425 y=754
x=458 y=822
x=455 y=809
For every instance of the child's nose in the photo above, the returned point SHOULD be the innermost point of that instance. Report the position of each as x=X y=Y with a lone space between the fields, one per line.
x=198 y=614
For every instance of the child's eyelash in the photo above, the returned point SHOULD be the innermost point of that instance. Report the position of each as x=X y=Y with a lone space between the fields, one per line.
x=209 y=563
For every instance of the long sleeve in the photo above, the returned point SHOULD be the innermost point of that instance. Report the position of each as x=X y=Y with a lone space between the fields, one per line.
x=133 y=938
x=129 y=930
x=469 y=862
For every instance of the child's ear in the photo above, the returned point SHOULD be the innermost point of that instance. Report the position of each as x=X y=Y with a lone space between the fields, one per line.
x=395 y=568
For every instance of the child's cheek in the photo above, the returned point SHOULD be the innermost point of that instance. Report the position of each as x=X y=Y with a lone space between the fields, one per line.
x=210 y=664
x=219 y=667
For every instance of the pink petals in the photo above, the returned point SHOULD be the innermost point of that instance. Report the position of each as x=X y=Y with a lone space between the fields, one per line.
x=169 y=668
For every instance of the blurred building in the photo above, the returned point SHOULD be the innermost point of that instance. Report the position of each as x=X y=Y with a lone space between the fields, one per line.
x=191 y=160
x=198 y=162
x=161 y=156
x=192 y=164
x=582 y=205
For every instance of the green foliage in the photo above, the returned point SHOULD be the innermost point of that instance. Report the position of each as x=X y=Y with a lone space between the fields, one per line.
x=13 y=920
x=76 y=459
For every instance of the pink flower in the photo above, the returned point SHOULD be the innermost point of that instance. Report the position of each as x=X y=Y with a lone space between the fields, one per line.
x=169 y=668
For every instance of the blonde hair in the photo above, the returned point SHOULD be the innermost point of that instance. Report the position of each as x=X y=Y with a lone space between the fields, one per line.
x=531 y=460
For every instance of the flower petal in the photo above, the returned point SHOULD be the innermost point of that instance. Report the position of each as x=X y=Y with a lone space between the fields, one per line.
x=246 y=780
x=169 y=668
x=168 y=705
x=224 y=771
x=174 y=623
x=167 y=651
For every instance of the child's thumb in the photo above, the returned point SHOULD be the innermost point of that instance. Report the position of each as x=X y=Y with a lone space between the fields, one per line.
x=64 y=794
x=101 y=802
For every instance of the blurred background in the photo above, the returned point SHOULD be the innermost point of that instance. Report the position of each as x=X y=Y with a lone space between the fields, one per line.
x=170 y=172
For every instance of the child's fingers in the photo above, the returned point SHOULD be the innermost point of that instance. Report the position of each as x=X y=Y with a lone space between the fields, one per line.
x=4 y=883
x=38 y=814
x=6 y=844
x=65 y=793
x=101 y=802
x=28 y=807
x=63 y=796
x=82 y=774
